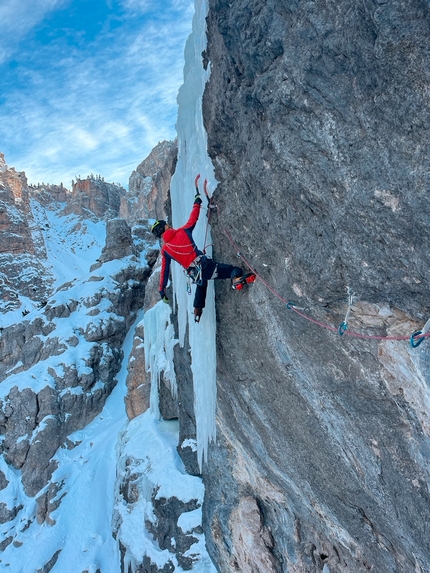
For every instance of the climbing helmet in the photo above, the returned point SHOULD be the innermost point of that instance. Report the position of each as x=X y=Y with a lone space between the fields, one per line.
x=157 y=228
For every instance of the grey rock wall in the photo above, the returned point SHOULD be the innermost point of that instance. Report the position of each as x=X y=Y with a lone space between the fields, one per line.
x=19 y=242
x=317 y=116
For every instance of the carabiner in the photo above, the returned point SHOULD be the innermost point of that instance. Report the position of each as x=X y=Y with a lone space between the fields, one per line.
x=342 y=328
x=414 y=336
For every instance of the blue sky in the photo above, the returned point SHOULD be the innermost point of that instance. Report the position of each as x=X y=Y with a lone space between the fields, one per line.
x=88 y=86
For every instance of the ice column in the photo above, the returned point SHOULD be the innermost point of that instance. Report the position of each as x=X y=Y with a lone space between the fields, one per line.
x=193 y=159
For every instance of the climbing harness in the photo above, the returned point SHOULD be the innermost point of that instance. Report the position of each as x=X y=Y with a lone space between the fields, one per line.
x=194 y=271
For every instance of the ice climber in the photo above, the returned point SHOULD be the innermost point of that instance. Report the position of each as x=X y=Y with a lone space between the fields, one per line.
x=179 y=245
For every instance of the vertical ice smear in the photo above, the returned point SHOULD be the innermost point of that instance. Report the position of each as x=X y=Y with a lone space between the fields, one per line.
x=193 y=159
x=159 y=345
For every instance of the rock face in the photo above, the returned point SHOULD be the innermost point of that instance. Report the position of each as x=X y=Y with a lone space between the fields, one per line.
x=48 y=195
x=94 y=197
x=137 y=400
x=119 y=241
x=149 y=184
x=23 y=246
x=172 y=525
x=18 y=247
x=14 y=210
x=35 y=423
x=318 y=116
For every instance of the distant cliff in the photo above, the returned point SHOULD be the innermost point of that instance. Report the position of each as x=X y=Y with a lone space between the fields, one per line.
x=318 y=123
x=149 y=184
x=21 y=246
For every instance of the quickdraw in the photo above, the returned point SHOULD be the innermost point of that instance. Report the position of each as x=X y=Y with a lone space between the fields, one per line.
x=343 y=326
x=351 y=299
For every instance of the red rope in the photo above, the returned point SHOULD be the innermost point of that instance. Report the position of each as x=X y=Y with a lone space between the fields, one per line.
x=310 y=319
x=356 y=334
x=170 y=248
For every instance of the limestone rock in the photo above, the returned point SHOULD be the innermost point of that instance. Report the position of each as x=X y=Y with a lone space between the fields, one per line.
x=162 y=523
x=138 y=385
x=3 y=481
x=252 y=544
x=49 y=195
x=152 y=293
x=119 y=242
x=317 y=117
x=167 y=402
x=93 y=197
x=64 y=355
x=34 y=424
x=17 y=248
x=167 y=531
x=50 y=564
x=187 y=446
x=7 y=514
x=150 y=183
x=14 y=212
x=144 y=240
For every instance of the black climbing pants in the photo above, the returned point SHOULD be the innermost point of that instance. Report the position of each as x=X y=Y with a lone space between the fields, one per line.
x=212 y=270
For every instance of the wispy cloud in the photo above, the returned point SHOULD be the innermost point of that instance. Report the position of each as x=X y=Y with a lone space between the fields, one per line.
x=70 y=108
x=136 y=6
x=17 y=18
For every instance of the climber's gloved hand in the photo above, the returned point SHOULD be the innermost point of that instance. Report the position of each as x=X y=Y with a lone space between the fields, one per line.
x=164 y=297
x=197 y=199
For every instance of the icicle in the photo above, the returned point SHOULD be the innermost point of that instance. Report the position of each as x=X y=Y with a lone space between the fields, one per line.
x=159 y=346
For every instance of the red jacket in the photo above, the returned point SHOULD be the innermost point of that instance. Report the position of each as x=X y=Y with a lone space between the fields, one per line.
x=178 y=244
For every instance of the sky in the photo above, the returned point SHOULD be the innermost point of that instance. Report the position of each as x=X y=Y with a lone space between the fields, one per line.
x=88 y=86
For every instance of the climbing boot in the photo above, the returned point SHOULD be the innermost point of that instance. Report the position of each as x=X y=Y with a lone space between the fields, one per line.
x=239 y=282
x=197 y=314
